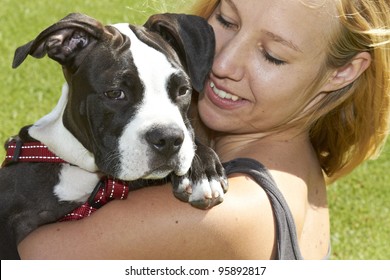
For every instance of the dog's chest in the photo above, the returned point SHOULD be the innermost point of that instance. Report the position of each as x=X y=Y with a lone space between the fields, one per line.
x=75 y=184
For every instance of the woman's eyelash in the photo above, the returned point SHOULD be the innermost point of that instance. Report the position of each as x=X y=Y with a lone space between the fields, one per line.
x=272 y=59
x=223 y=22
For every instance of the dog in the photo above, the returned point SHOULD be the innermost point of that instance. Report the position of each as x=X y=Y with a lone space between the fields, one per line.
x=122 y=113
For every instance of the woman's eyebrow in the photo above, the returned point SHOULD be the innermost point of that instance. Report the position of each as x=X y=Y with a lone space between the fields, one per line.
x=283 y=41
x=232 y=5
x=273 y=36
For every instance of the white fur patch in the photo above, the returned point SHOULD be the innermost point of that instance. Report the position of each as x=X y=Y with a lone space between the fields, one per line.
x=75 y=184
x=206 y=189
x=201 y=190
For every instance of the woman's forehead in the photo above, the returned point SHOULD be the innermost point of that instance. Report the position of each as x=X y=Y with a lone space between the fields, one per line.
x=301 y=21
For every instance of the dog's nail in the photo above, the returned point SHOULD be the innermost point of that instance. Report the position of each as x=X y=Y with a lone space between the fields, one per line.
x=225 y=185
x=189 y=189
x=208 y=196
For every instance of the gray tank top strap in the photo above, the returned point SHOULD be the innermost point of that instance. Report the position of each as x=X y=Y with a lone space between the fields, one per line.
x=287 y=240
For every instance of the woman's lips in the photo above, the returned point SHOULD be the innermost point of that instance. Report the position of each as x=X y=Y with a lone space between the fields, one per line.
x=221 y=98
x=223 y=94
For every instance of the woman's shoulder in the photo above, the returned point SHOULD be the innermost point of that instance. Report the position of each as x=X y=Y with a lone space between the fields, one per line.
x=301 y=183
x=298 y=180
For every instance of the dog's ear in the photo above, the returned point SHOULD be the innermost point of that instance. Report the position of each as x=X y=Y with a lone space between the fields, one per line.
x=62 y=41
x=192 y=38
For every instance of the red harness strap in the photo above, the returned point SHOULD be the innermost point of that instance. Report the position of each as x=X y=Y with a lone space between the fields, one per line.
x=30 y=152
x=106 y=190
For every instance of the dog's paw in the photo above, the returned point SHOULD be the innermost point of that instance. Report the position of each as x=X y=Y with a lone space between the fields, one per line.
x=202 y=193
x=205 y=183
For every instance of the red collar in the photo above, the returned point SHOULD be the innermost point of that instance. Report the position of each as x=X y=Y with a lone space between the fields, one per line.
x=106 y=190
x=17 y=151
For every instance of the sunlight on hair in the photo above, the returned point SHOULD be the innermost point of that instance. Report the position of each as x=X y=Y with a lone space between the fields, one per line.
x=383 y=35
x=148 y=7
x=314 y=3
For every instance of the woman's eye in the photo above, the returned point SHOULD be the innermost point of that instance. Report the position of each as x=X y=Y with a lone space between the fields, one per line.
x=115 y=94
x=272 y=59
x=224 y=22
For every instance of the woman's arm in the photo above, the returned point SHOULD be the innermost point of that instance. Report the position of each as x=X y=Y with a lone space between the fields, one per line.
x=152 y=224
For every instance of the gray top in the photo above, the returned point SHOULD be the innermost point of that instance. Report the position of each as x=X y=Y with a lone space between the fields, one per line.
x=287 y=240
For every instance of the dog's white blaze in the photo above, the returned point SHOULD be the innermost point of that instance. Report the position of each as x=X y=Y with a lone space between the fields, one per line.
x=75 y=184
x=154 y=70
x=51 y=131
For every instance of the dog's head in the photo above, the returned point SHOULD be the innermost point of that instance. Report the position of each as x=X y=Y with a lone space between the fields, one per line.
x=129 y=88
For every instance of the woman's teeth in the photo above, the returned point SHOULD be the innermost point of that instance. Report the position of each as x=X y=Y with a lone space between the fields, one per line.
x=223 y=94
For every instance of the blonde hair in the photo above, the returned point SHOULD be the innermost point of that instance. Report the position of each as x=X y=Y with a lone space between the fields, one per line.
x=350 y=125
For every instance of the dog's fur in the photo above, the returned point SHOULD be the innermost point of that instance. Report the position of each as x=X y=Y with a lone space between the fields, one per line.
x=123 y=113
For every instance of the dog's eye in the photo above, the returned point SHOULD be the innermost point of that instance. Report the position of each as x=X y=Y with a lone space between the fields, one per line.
x=115 y=94
x=183 y=90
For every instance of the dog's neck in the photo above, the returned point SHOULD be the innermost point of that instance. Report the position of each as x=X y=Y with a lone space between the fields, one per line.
x=51 y=131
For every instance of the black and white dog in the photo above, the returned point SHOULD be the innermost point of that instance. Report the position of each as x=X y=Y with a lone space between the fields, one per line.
x=123 y=113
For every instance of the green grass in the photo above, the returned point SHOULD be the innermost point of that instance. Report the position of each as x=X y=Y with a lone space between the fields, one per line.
x=360 y=211
x=359 y=204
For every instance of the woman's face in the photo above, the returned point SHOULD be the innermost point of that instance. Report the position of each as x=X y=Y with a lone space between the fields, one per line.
x=268 y=52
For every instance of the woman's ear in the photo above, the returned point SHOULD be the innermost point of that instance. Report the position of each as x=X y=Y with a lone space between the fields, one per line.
x=348 y=73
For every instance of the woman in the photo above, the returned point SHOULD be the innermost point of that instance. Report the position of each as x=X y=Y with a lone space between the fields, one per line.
x=301 y=86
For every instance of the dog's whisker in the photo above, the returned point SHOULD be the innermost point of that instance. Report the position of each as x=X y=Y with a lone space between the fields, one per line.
x=113 y=160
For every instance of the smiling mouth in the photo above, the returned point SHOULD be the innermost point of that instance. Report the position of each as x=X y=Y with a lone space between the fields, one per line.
x=223 y=94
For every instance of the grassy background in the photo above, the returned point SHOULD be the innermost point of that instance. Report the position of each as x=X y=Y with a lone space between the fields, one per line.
x=359 y=204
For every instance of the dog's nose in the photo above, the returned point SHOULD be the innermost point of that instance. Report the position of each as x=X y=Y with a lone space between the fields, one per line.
x=166 y=140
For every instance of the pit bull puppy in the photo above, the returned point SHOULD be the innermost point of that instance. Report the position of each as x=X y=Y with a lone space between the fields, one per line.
x=122 y=113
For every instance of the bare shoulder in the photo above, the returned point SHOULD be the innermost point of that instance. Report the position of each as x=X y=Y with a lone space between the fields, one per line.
x=152 y=224
x=306 y=197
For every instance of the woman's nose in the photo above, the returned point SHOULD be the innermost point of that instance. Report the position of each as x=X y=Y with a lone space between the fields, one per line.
x=230 y=60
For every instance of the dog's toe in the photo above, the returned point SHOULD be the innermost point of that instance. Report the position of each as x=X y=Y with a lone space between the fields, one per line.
x=182 y=188
x=206 y=194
